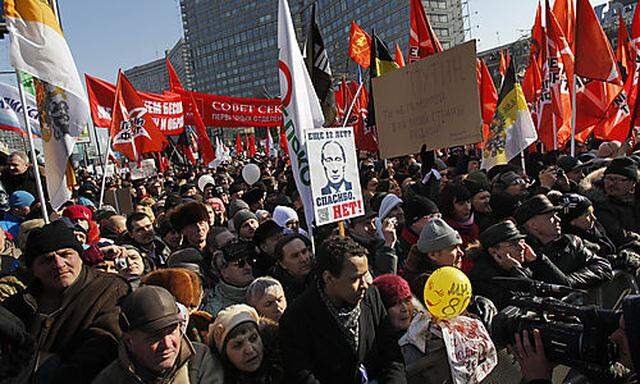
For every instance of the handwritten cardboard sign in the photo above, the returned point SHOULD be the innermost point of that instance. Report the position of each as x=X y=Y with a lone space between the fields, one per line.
x=433 y=101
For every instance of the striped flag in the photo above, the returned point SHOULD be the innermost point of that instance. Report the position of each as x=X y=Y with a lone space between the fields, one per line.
x=38 y=47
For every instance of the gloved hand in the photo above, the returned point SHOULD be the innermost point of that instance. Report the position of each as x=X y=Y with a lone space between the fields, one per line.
x=484 y=309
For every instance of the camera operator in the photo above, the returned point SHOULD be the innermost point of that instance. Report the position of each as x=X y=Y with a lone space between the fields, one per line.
x=537 y=369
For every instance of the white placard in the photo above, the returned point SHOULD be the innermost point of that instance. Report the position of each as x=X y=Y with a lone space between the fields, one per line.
x=335 y=183
x=146 y=169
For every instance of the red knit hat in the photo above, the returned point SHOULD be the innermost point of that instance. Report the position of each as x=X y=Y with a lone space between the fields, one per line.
x=393 y=289
x=78 y=212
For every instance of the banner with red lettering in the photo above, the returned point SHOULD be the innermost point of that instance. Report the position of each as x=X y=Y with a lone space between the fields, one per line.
x=166 y=110
x=227 y=111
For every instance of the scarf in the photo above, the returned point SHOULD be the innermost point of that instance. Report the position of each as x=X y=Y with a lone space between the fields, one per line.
x=348 y=320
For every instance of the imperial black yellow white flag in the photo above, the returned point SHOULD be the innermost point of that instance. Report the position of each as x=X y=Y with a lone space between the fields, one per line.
x=512 y=129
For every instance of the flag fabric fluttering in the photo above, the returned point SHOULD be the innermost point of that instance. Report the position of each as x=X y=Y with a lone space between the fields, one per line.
x=423 y=41
x=132 y=131
x=512 y=129
x=381 y=63
x=239 y=148
x=624 y=56
x=504 y=63
x=532 y=86
x=565 y=14
x=594 y=57
x=282 y=143
x=190 y=106
x=11 y=117
x=38 y=47
x=488 y=96
x=359 y=45
x=268 y=143
x=301 y=107
x=399 y=57
x=317 y=61
x=252 y=145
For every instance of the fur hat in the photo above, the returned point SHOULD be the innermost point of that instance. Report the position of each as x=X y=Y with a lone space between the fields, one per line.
x=189 y=213
x=182 y=283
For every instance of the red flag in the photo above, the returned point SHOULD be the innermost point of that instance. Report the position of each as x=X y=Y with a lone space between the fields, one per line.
x=502 y=67
x=488 y=96
x=422 y=41
x=252 y=145
x=132 y=130
x=594 y=57
x=624 y=56
x=539 y=38
x=359 y=45
x=283 y=142
x=204 y=143
x=267 y=143
x=174 y=80
x=532 y=87
x=239 y=148
x=564 y=12
x=399 y=57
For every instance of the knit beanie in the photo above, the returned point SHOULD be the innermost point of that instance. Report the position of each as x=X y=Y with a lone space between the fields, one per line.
x=241 y=217
x=437 y=235
x=623 y=166
x=235 y=206
x=78 y=212
x=51 y=237
x=573 y=206
x=389 y=202
x=21 y=199
x=418 y=206
x=282 y=215
x=227 y=320
x=393 y=289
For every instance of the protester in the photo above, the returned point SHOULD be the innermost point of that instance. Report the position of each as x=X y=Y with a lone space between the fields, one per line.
x=294 y=264
x=398 y=301
x=19 y=207
x=153 y=348
x=457 y=211
x=192 y=221
x=266 y=295
x=265 y=238
x=19 y=175
x=245 y=223
x=142 y=235
x=418 y=210
x=70 y=309
x=338 y=331
x=380 y=239
x=248 y=353
x=287 y=218
x=9 y=255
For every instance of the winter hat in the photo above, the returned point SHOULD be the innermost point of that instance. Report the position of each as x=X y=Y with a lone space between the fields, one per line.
x=393 y=289
x=417 y=207
x=267 y=229
x=623 y=166
x=227 y=320
x=389 y=202
x=568 y=163
x=51 y=237
x=189 y=213
x=216 y=203
x=478 y=178
x=537 y=205
x=25 y=229
x=149 y=309
x=182 y=257
x=573 y=206
x=608 y=149
x=182 y=283
x=235 y=206
x=241 y=217
x=282 y=215
x=254 y=195
x=500 y=232
x=78 y=212
x=437 y=235
x=86 y=202
x=21 y=199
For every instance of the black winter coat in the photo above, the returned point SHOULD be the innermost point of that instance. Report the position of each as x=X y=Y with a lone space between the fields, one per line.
x=582 y=268
x=315 y=351
x=620 y=219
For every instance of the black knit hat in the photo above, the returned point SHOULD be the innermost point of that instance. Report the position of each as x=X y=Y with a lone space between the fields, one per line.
x=51 y=237
x=242 y=216
x=573 y=206
x=238 y=249
x=189 y=213
x=417 y=207
x=623 y=166
x=254 y=195
x=267 y=229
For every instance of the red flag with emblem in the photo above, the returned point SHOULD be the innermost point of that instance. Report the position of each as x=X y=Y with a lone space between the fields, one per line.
x=422 y=41
x=359 y=45
x=132 y=131
x=624 y=55
x=594 y=58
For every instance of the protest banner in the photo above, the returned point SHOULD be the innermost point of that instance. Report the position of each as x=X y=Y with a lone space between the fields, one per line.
x=120 y=199
x=146 y=169
x=335 y=183
x=11 y=116
x=433 y=101
x=166 y=110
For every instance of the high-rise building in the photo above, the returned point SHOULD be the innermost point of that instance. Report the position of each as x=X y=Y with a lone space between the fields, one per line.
x=153 y=77
x=233 y=43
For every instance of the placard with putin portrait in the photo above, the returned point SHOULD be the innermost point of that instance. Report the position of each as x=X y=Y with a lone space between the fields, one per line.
x=333 y=170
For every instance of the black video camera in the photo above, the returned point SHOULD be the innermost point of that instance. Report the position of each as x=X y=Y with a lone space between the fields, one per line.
x=575 y=336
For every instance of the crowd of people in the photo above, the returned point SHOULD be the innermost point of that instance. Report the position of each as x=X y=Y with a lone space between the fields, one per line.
x=226 y=283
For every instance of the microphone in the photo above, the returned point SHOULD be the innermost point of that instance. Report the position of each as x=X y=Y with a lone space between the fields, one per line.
x=522 y=284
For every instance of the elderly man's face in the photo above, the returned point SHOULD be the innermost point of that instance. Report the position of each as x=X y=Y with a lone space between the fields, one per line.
x=333 y=162
x=17 y=165
x=57 y=270
x=156 y=352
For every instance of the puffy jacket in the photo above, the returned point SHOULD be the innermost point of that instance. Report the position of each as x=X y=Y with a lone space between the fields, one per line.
x=582 y=269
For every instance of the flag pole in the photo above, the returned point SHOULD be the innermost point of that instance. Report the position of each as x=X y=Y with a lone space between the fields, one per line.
x=555 y=133
x=104 y=172
x=573 y=115
x=34 y=160
x=95 y=135
x=353 y=102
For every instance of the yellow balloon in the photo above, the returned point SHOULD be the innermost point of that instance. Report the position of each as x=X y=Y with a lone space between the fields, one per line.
x=447 y=292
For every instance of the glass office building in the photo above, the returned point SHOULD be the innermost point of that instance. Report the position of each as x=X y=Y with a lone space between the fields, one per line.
x=233 y=43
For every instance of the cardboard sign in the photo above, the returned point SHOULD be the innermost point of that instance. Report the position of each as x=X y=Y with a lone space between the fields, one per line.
x=333 y=166
x=434 y=101
x=120 y=199
x=146 y=169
